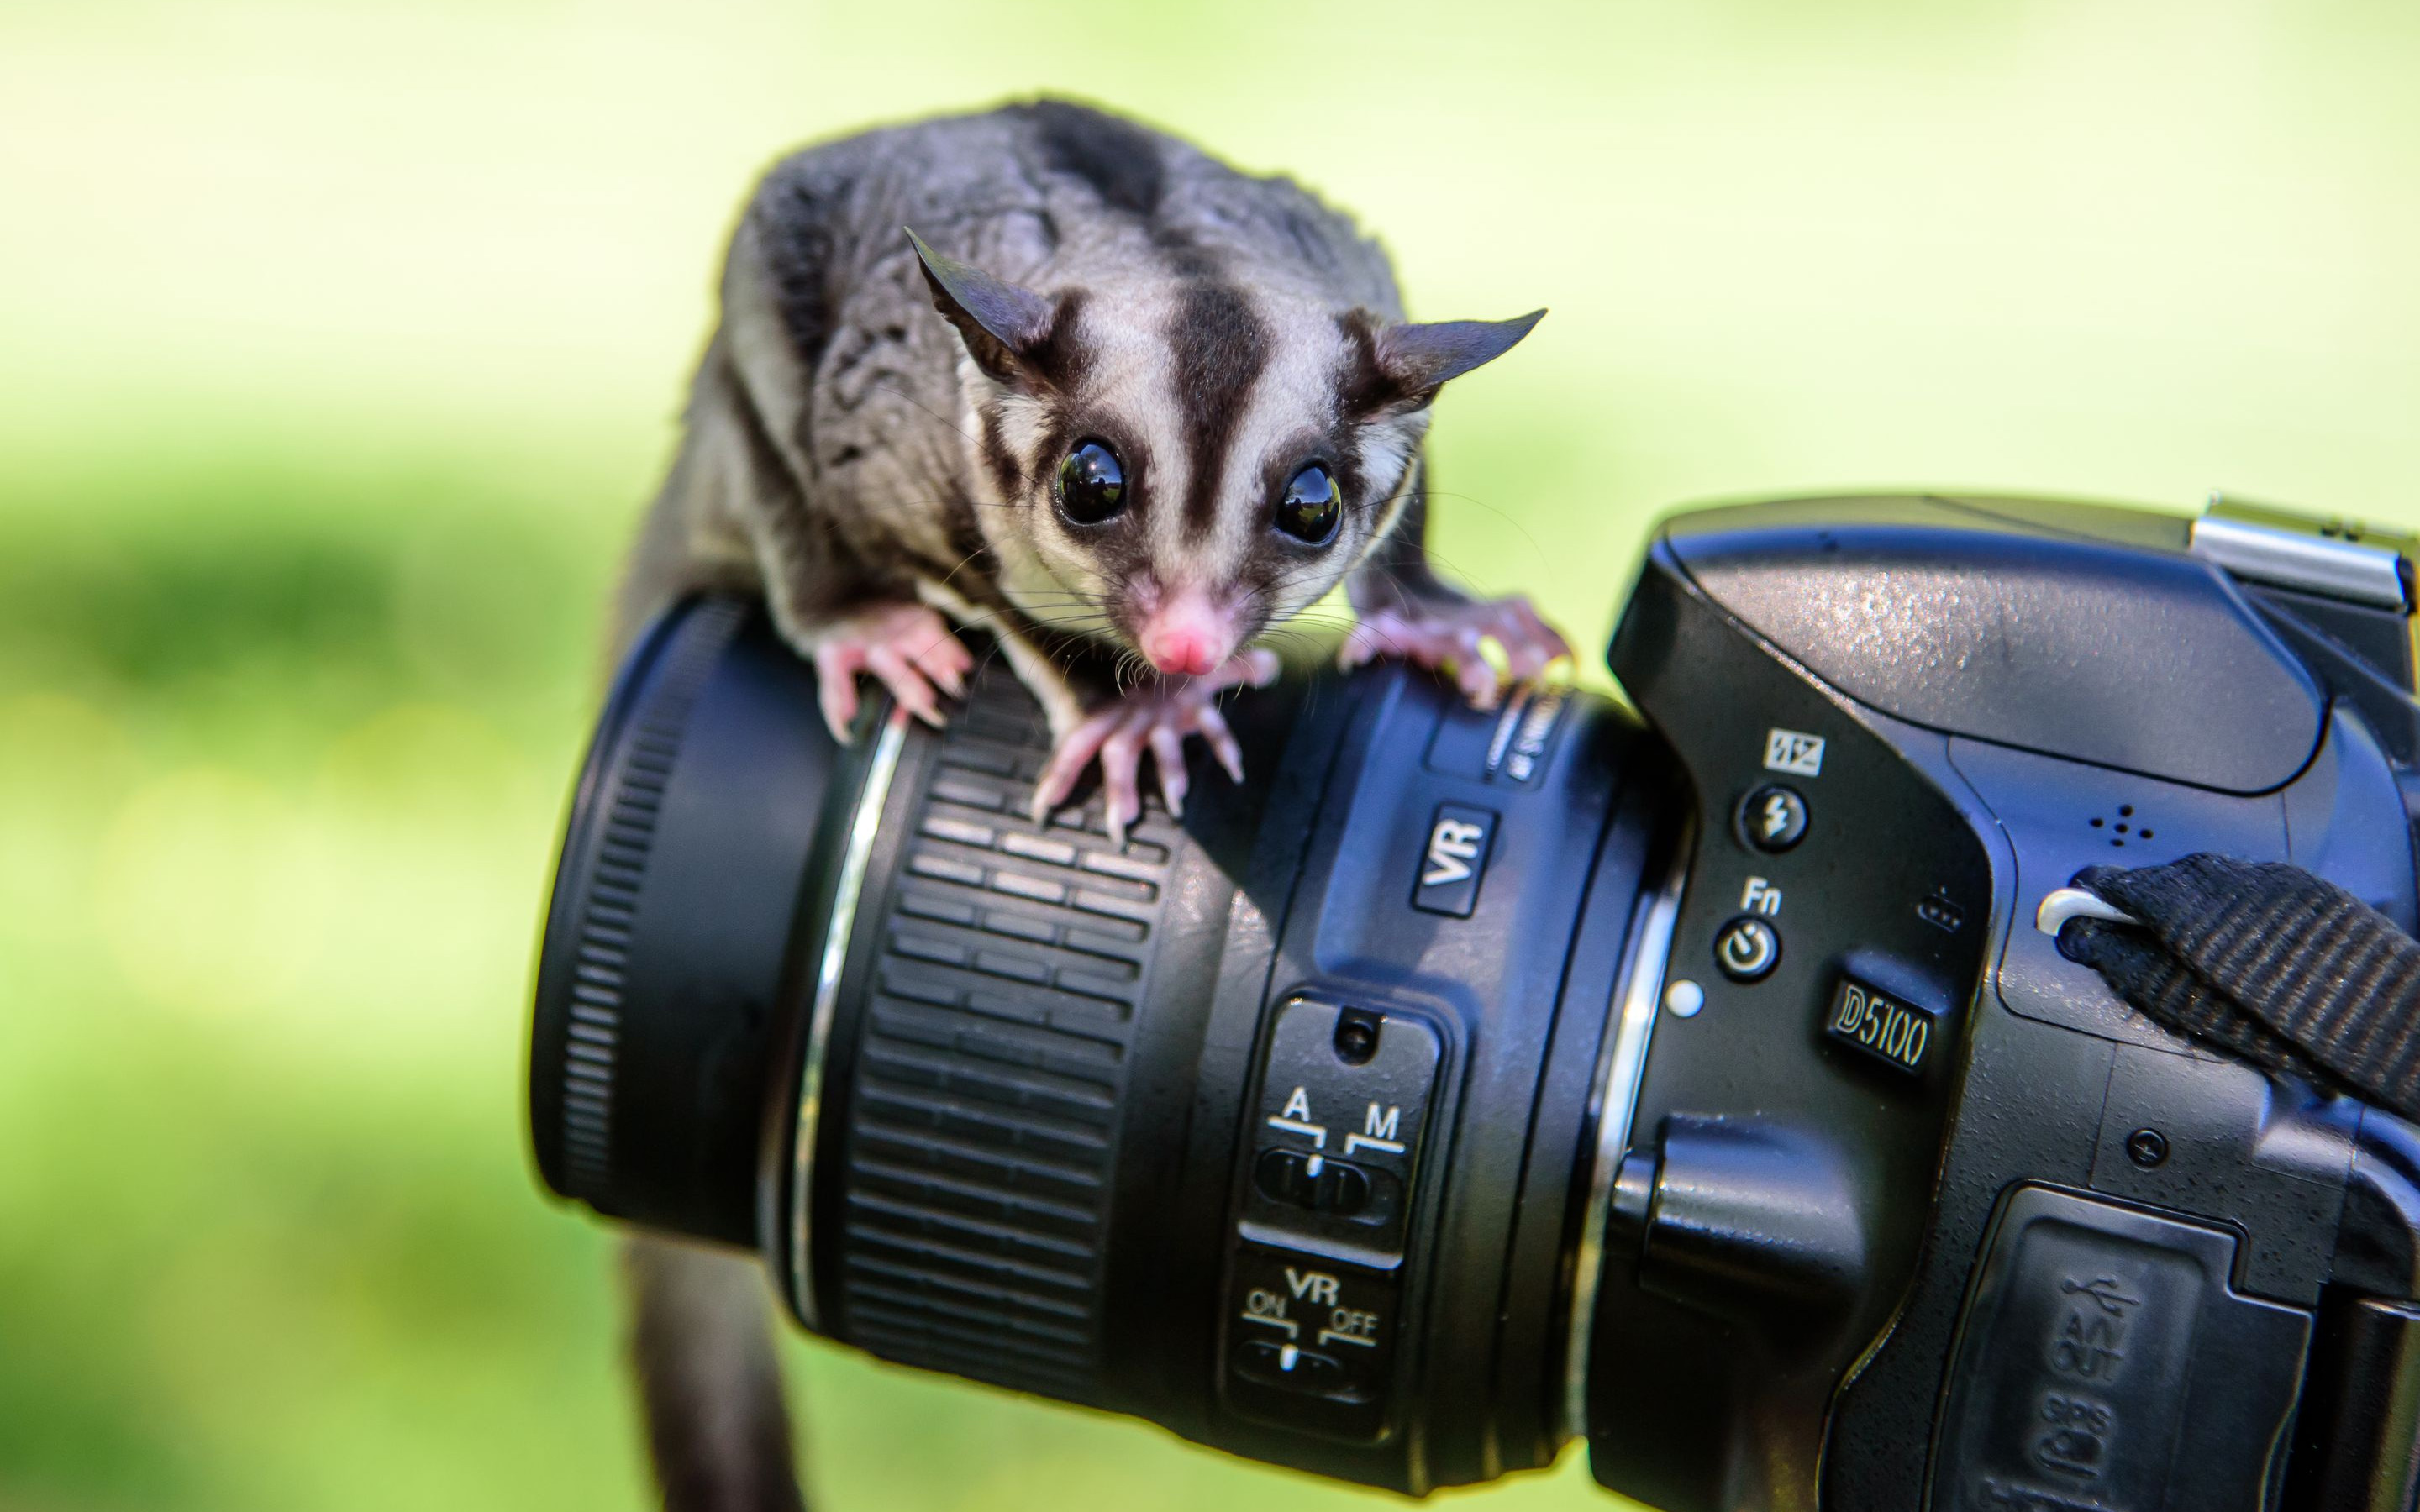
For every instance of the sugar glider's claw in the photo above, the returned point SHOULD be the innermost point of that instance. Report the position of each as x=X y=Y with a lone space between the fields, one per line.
x=906 y=647
x=1069 y=756
x=1155 y=718
x=1453 y=636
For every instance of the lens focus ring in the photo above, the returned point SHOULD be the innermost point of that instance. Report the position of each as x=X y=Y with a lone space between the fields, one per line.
x=1010 y=962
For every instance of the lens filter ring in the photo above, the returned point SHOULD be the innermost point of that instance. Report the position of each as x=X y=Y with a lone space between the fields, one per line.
x=663 y=983
x=608 y=844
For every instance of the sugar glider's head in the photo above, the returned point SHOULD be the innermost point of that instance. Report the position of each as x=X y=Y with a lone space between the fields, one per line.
x=1182 y=462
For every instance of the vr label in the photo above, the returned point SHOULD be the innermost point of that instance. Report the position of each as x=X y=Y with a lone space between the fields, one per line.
x=1453 y=860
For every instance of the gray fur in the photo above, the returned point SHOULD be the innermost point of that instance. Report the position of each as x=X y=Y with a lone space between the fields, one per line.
x=845 y=447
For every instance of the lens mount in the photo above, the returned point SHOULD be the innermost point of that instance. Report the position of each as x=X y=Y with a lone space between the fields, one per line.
x=1613 y=1103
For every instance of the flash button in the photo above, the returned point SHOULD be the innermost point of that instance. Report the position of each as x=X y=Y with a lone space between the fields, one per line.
x=1772 y=818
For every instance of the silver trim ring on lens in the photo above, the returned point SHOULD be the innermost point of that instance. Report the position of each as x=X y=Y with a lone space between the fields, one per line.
x=863 y=825
x=1619 y=1065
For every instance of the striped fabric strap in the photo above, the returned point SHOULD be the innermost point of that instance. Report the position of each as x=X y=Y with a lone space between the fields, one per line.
x=2269 y=961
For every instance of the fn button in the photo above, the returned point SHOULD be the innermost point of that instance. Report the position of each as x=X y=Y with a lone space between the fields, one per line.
x=1747 y=948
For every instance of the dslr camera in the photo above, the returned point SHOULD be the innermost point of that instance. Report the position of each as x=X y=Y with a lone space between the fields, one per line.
x=1698 y=1078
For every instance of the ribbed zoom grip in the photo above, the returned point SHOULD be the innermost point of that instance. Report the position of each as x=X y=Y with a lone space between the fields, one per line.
x=1009 y=961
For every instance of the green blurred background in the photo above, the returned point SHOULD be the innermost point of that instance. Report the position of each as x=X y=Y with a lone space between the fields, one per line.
x=340 y=343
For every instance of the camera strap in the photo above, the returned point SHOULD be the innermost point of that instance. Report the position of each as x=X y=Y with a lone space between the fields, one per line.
x=2287 y=970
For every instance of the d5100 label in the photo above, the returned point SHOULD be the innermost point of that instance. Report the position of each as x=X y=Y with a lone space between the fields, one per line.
x=1867 y=1019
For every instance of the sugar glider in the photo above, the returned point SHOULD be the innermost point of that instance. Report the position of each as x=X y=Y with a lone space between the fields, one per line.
x=1051 y=375
x=1047 y=374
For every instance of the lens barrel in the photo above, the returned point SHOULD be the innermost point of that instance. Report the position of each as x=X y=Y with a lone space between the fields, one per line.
x=962 y=1120
x=1017 y=1102
x=672 y=930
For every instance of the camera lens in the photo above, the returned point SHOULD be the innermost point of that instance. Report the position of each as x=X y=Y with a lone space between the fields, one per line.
x=1290 y=1128
x=690 y=847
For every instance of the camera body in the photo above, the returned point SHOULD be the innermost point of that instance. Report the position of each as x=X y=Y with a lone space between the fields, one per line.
x=2090 y=1265
x=1467 y=1081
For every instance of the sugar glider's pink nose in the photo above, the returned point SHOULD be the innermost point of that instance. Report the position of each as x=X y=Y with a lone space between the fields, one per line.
x=1185 y=637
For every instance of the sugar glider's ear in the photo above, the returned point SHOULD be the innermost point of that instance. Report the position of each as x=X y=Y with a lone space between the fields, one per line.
x=1405 y=365
x=1005 y=328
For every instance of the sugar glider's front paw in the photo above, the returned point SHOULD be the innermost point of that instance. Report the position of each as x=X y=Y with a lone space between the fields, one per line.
x=1449 y=636
x=909 y=648
x=1155 y=716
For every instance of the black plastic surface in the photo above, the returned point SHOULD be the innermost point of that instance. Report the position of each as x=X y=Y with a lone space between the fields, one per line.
x=2378 y=1236
x=980 y=1101
x=1694 y=1407
x=2380 y=639
x=2357 y=1443
x=2386 y=703
x=1047 y=1159
x=2054 y=640
x=1753 y=1221
x=2106 y=1362
x=1324 y=1094
x=1460 y=838
x=1311 y=1342
x=2270 y=1158
x=1884 y=1028
x=2063 y=816
x=670 y=932
x=1354 y=1087
x=1041 y=1154
x=2058 y=1078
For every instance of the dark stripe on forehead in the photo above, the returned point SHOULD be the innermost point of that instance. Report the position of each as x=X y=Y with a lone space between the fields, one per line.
x=1222 y=348
x=1118 y=159
x=1120 y=163
x=1187 y=257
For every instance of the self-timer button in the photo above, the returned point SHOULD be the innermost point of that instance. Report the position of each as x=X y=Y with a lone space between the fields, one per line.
x=1747 y=948
x=1772 y=818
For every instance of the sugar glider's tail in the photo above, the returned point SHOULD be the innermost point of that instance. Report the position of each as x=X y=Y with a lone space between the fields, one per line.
x=701 y=1342
x=701 y=1345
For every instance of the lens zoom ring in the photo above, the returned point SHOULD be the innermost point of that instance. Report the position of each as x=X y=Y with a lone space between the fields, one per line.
x=1011 y=961
x=642 y=764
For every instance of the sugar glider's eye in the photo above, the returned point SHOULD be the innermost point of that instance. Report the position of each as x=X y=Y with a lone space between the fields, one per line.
x=1092 y=485
x=1310 y=507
